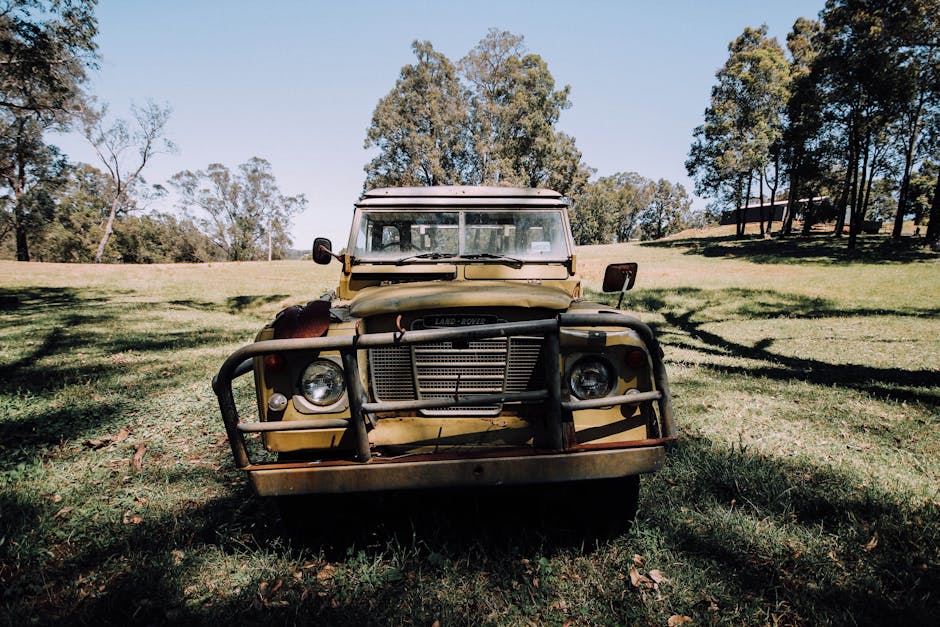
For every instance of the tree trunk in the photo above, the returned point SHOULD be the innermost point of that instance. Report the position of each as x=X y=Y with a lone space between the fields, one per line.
x=773 y=193
x=760 y=210
x=742 y=212
x=933 y=227
x=844 y=196
x=22 y=244
x=808 y=216
x=858 y=197
x=790 y=210
x=108 y=229
x=908 y=166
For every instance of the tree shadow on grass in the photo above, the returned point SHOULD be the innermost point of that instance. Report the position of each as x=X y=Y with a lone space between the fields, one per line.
x=233 y=304
x=685 y=314
x=813 y=249
x=56 y=343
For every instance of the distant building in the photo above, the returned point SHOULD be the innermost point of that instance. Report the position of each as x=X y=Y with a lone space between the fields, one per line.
x=753 y=211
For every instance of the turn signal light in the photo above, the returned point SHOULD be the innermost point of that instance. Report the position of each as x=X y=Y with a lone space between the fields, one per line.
x=273 y=363
x=636 y=359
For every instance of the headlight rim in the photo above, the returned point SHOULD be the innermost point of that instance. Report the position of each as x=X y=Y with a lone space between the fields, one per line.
x=333 y=400
x=612 y=375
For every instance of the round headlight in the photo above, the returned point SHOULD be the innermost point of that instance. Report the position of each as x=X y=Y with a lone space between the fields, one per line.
x=322 y=383
x=591 y=377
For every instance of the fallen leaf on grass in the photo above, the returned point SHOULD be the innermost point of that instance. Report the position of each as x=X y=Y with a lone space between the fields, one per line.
x=64 y=511
x=120 y=436
x=872 y=543
x=638 y=559
x=131 y=520
x=178 y=556
x=325 y=573
x=138 y=461
x=676 y=619
x=658 y=576
x=266 y=591
x=640 y=581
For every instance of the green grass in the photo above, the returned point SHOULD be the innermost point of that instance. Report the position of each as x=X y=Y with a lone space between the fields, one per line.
x=805 y=489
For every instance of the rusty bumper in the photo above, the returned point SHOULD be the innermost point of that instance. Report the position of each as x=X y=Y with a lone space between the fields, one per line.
x=413 y=472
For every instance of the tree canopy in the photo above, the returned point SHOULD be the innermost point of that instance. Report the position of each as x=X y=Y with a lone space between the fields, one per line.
x=243 y=212
x=46 y=47
x=491 y=120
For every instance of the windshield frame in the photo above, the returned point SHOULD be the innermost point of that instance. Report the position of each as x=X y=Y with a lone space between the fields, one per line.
x=462 y=255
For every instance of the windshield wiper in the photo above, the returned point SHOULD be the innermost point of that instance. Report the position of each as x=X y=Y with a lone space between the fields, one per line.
x=434 y=255
x=512 y=262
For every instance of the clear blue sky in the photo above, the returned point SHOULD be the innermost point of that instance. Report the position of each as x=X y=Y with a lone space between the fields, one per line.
x=296 y=82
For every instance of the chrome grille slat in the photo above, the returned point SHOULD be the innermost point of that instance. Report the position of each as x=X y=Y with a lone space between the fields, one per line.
x=432 y=371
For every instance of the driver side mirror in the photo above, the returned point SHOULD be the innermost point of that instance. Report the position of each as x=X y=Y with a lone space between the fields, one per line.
x=619 y=277
x=322 y=250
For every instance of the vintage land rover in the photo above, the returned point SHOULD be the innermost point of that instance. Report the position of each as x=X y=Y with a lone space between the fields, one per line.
x=457 y=351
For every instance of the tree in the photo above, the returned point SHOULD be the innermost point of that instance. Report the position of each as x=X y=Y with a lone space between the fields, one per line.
x=163 y=238
x=801 y=145
x=45 y=49
x=125 y=151
x=499 y=130
x=81 y=208
x=242 y=212
x=420 y=127
x=607 y=209
x=667 y=211
x=917 y=27
x=514 y=109
x=29 y=170
x=860 y=68
x=742 y=123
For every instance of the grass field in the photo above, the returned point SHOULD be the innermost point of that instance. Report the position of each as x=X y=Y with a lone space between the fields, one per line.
x=805 y=489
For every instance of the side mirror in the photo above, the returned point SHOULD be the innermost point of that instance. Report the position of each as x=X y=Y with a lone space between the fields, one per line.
x=322 y=250
x=619 y=277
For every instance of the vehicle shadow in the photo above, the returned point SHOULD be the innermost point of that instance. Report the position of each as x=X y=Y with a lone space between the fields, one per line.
x=405 y=549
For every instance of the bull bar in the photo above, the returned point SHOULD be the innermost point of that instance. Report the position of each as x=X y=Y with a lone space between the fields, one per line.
x=559 y=458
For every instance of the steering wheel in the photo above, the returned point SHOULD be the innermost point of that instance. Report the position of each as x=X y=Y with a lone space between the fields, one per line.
x=402 y=247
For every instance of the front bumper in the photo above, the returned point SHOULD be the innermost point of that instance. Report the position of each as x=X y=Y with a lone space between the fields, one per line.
x=518 y=467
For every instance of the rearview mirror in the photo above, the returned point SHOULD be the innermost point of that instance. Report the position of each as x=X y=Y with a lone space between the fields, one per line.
x=322 y=250
x=619 y=277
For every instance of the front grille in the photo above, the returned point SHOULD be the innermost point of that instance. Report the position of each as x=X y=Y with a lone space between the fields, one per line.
x=441 y=369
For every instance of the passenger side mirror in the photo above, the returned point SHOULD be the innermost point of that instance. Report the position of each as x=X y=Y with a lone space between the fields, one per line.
x=620 y=277
x=322 y=250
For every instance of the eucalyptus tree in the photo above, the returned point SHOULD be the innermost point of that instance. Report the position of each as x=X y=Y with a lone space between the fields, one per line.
x=742 y=122
x=46 y=47
x=607 y=209
x=244 y=212
x=802 y=143
x=493 y=122
x=861 y=76
x=514 y=111
x=420 y=127
x=916 y=26
x=124 y=149
x=667 y=211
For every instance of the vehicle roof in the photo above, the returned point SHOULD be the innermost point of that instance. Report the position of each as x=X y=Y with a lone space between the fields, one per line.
x=462 y=195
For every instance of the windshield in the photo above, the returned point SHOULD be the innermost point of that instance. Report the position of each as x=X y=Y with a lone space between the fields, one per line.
x=522 y=235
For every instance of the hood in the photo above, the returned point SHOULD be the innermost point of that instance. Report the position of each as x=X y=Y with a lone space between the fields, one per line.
x=433 y=295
